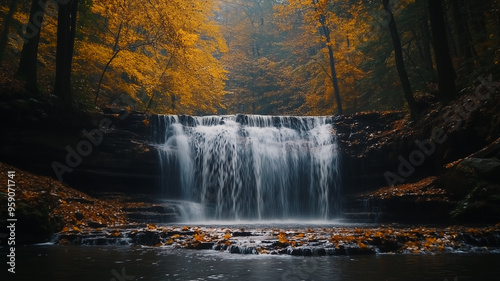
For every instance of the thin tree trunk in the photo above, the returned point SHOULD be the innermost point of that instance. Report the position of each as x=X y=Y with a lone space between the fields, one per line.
x=5 y=33
x=27 y=69
x=116 y=50
x=426 y=48
x=66 y=28
x=102 y=75
x=326 y=32
x=463 y=41
x=150 y=103
x=445 y=70
x=400 y=65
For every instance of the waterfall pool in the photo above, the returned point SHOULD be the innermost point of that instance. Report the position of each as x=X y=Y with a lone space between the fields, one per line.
x=53 y=262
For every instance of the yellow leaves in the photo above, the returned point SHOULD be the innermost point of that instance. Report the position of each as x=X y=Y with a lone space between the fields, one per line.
x=165 y=48
x=199 y=237
x=227 y=236
x=430 y=239
x=282 y=237
x=175 y=236
x=152 y=226
x=349 y=238
x=335 y=239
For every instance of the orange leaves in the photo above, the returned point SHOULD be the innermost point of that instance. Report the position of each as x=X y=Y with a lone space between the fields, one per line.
x=430 y=239
x=282 y=238
x=68 y=208
x=424 y=187
x=199 y=237
x=362 y=245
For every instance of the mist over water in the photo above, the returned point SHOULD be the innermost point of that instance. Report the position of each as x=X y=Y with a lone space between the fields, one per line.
x=250 y=167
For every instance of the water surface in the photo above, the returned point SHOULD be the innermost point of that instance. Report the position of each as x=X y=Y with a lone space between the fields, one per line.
x=51 y=262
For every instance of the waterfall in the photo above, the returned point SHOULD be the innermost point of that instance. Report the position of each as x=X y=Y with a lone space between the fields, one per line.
x=242 y=167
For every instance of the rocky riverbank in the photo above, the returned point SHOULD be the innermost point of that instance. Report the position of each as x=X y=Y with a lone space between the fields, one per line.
x=318 y=241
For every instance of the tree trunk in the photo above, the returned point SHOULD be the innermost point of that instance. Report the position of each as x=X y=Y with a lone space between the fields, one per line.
x=400 y=64
x=116 y=50
x=27 y=69
x=66 y=27
x=445 y=70
x=461 y=38
x=326 y=32
x=5 y=33
x=426 y=48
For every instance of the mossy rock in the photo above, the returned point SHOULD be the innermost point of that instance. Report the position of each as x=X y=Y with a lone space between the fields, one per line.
x=481 y=205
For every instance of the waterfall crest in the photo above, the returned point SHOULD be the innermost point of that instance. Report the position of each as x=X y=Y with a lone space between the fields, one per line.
x=249 y=166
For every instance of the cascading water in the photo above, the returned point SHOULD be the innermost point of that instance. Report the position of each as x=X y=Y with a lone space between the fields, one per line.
x=251 y=167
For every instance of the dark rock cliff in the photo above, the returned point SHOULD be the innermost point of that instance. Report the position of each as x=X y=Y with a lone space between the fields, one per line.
x=112 y=154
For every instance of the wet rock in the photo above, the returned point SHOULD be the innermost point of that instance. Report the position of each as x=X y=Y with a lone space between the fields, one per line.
x=201 y=245
x=72 y=238
x=147 y=238
x=475 y=183
x=488 y=168
x=385 y=245
x=79 y=216
x=234 y=249
x=96 y=224
x=319 y=252
x=295 y=251
x=242 y=233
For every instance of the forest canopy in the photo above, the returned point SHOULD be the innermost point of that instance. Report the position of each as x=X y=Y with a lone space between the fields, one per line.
x=282 y=57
